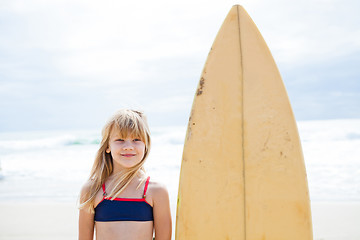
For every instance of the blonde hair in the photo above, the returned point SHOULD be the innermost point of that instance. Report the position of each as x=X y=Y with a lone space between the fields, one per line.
x=127 y=123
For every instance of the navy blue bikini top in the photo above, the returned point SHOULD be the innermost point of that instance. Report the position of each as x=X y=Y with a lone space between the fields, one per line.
x=124 y=209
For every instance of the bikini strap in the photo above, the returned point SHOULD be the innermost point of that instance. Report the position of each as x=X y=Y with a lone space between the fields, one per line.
x=146 y=186
x=103 y=187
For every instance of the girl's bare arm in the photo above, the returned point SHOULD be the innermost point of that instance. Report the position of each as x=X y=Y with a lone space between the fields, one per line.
x=86 y=221
x=162 y=215
x=86 y=225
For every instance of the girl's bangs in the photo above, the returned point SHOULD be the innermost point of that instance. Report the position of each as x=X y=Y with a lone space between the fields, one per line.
x=130 y=129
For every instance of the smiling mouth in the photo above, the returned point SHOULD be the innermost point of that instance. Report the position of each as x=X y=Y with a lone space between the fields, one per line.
x=127 y=155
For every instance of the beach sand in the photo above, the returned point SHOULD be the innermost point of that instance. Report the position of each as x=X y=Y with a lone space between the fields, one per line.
x=22 y=221
x=336 y=220
x=58 y=221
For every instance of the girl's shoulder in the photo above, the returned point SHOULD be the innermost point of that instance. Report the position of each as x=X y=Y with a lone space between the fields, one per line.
x=155 y=185
x=87 y=185
x=157 y=190
x=88 y=190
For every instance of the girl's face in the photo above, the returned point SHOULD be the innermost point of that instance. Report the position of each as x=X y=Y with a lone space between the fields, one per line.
x=125 y=152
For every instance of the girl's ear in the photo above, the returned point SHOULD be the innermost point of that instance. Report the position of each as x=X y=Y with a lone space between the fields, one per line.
x=107 y=150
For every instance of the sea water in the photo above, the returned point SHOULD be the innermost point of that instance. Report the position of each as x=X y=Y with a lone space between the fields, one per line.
x=51 y=166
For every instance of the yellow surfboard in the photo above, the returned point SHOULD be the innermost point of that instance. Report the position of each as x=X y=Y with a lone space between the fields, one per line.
x=242 y=173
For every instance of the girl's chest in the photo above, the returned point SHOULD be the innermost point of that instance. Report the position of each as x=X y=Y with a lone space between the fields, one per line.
x=129 y=192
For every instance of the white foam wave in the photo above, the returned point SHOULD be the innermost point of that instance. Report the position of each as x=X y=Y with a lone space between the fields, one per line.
x=63 y=160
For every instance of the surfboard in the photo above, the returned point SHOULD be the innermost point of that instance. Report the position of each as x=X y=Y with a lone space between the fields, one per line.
x=242 y=173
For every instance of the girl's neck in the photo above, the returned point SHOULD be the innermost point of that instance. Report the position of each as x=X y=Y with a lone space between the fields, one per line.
x=117 y=169
x=115 y=175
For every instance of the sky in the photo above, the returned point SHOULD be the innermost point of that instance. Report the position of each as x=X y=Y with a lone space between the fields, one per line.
x=69 y=64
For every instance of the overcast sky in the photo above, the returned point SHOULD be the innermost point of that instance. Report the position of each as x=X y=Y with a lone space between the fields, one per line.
x=69 y=64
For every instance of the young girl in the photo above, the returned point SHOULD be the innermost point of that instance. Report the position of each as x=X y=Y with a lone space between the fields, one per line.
x=119 y=201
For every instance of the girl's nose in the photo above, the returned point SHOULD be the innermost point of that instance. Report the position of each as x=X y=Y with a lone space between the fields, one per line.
x=128 y=146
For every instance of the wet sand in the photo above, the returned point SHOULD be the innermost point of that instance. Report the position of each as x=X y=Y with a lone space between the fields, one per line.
x=58 y=221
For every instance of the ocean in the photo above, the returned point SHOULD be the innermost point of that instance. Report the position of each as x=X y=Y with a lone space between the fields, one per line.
x=51 y=166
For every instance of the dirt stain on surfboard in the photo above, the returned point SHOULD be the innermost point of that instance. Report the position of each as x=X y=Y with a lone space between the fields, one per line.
x=201 y=87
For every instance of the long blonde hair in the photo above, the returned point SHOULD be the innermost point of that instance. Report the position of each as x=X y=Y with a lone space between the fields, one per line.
x=127 y=123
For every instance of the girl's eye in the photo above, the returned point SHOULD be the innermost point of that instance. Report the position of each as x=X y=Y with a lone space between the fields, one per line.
x=119 y=140
x=137 y=139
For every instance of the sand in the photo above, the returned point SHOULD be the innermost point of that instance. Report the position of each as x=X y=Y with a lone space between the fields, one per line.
x=22 y=221
x=336 y=220
x=58 y=221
